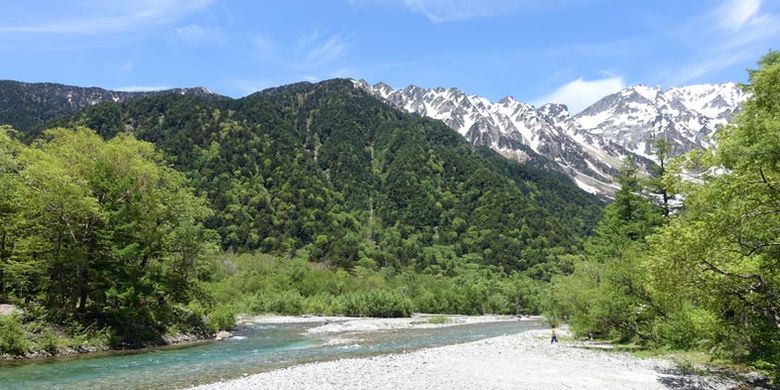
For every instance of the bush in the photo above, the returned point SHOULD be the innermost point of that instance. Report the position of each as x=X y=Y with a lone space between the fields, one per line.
x=12 y=338
x=322 y=304
x=688 y=328
x=438 y=320
x=222 y=318
x=286 y=302
x=376 y=303
x=499 y=304
x=49 y=342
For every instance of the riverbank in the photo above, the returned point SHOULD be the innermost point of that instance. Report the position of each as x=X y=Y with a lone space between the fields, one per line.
x=66 y=347
x=524 y=360
x=337 y=324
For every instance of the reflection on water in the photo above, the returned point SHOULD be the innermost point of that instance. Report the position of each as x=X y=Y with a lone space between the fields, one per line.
x=256 y=348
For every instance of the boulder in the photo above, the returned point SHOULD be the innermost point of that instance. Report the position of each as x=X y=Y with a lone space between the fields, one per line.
x=222 y=335
x=8 y=310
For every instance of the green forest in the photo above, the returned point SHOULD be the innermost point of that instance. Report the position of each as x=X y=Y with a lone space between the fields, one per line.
x=127 y=223
x=169 y=214
x=706 y=277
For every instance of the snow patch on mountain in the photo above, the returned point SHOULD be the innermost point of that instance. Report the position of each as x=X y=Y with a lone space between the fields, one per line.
x=589 y=146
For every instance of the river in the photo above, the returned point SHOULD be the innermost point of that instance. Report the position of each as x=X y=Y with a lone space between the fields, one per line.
x=256 y=348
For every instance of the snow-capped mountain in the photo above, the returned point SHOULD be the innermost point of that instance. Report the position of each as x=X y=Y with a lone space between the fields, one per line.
x=687 y=117
x=589 y=146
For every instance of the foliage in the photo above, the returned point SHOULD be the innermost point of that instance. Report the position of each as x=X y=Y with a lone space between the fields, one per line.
x=709 y=277
x=606 y=295
x=256 y=283
x=376 y=303
x=437 y=320
x=222 y=318
x=729 y=231
x=98 y=232
x=331 y=170
x=115 y=233
x=12 y=338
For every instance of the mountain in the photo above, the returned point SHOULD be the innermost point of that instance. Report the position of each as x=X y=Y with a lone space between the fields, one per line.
x=29 y=105
x=589 y=146
x=687 y=117
x=332 y=171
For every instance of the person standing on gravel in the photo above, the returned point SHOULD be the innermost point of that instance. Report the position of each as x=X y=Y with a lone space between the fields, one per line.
x=554 y=336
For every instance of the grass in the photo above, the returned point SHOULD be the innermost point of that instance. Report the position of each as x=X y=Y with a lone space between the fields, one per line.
x=437 y=320
x=693 y=362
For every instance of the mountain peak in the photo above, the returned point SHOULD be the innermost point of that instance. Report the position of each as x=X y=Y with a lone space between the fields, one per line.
x=56 y=100
x=591 y=145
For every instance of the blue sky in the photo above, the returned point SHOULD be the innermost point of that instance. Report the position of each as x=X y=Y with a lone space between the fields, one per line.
x=567 y=51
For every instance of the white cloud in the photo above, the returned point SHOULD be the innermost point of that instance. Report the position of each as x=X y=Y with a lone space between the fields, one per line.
x=440 y=11
x=142 y=88
x=328 y=51
x=733 y=15
x=318 y=49
x=579 y=94
x=734 y=32
x=196 y=34
x=95 y=17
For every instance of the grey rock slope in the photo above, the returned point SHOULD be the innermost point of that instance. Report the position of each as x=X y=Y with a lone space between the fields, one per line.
x=589 y=146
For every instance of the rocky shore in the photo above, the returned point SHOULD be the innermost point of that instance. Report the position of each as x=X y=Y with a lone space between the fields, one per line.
x=523 y=361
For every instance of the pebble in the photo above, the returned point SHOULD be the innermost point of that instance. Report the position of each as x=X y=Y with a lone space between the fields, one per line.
x=524 y=360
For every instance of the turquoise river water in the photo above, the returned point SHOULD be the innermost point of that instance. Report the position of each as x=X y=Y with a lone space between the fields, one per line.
x=256 y=348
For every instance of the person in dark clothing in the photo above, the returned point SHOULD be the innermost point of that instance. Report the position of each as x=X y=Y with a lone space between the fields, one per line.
x=554 y=336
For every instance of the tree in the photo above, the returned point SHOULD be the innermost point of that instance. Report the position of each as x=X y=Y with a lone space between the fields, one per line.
x=608 y=295
x=110 y=232
x=13 y=275
x=657 y=184
x=723 y=253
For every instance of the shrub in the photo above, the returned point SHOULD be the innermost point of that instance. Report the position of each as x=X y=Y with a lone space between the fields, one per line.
x=49 y=341
x=286 y=302
x=12 y=338
x=222 y=318
x=376 y=303
x=499 y=304
x=322 y=304
x=437 y=320
x=688 y=328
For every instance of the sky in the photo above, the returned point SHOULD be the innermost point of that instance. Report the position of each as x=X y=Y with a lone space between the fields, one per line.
x=562 y=51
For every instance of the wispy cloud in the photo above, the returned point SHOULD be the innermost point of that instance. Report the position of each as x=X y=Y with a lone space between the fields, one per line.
x=441 y=11
x=93 y=17
x=579 y=94
x=734 y=32
x=315 y=49
x=196 y=34
x=734 y=15
x=326 y=50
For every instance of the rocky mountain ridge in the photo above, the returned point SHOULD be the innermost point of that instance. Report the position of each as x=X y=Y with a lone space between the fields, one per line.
x=590 y=145
x=27 y=105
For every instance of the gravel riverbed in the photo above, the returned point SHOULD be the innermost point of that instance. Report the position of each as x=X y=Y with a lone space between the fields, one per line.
x=523 y=361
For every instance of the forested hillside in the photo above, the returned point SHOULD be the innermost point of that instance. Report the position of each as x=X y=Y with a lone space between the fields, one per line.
x=171 y=213
x=330 y=170
x=28 y=106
